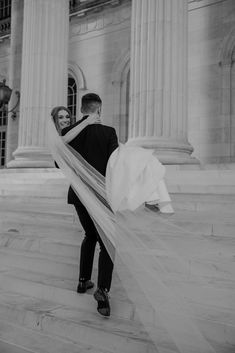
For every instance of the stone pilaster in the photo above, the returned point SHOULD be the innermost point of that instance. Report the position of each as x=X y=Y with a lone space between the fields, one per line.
x=17 y=7
x=227 y=99
x=158 y=84
x=43 y=77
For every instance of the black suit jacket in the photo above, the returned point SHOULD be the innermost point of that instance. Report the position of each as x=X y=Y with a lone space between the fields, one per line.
x=95 y=143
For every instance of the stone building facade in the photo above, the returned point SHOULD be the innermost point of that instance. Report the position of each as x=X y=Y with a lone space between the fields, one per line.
x=163 y=68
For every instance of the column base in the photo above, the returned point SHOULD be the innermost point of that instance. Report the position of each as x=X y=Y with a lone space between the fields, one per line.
x=168 y=151
x=31 y=157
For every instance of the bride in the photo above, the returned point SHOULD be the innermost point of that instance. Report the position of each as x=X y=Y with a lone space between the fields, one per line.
x=134 y=175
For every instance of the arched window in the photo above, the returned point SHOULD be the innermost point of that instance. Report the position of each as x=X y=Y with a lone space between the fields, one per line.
x=72 y=97
x=5 y=9
x=3 y=136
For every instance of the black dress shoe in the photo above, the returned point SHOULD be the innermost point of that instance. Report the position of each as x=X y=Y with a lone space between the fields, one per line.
x=152 y=207
x=101 y=296
x=84 y=286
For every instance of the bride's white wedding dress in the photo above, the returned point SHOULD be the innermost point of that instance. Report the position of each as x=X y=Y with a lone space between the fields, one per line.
x=135 y=176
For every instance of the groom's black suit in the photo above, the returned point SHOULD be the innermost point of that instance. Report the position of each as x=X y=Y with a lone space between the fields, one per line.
x=94 y=143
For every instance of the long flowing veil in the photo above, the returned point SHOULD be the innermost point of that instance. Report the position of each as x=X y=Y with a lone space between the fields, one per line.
x=141 y=254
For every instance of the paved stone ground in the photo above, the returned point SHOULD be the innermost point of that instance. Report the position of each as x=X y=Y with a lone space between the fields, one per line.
x=40 y=310
x=10 y=348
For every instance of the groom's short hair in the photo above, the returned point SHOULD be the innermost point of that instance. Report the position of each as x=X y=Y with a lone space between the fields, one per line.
x=90 y=103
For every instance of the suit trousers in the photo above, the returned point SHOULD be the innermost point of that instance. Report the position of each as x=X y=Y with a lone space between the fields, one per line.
x=105 y=264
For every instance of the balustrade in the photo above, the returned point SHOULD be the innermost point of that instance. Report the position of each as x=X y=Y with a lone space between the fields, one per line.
x=5 y=18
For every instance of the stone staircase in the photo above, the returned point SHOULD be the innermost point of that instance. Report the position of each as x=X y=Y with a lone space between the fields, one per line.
x=40 y=238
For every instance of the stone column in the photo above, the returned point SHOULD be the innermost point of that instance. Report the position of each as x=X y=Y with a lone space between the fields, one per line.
x=227 y=105
x=158 y=84
x=17 y=7
x=43 y=78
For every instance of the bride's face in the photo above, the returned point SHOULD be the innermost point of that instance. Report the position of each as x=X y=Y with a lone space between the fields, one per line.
x=63 y=119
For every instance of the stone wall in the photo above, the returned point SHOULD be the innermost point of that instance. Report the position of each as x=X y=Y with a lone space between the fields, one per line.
x=211 y=43
x=99 y=54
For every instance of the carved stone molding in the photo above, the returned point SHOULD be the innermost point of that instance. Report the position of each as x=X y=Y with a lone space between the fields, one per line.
x=99 y=21
x=5 y=28
x=226 y=52
x=82 y=8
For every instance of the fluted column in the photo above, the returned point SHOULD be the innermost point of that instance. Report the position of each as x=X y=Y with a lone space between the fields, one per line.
x=43 y=77
x=14 y=73
x=158 y=81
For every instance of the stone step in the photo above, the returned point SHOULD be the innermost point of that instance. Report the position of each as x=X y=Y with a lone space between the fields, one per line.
x=41 y=211
x=66 y=240
x=66 y=267
x=203 y=202
x=18 y=339
x=68 y=226
x=210 y=220
x=197 y=223
x=64 y=232
x=58 y=198
x=216 y=323
x=59 y=285
x=77 y=325
x=213 y=262
x=50 y=205
x=42 y=274
x=63 y=290
x=29 y=174
x=201 y=179
x=24 y=217
x=177 y=253
x=41 y=191
x=24 y=199
x=31 y=211
x=191 y=203
x=194 y=188
x=44 y=245
x=9 y=348
x=31 y=179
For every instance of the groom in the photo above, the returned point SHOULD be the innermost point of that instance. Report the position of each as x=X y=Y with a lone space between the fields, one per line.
x=95 y=143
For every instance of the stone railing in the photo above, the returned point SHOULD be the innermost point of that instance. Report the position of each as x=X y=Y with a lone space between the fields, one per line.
x=5 y=27
x=82 y=7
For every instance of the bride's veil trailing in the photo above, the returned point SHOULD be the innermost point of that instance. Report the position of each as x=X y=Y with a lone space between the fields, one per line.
x=141 y=254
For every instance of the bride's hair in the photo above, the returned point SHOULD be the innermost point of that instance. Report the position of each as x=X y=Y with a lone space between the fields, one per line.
x=54 y=113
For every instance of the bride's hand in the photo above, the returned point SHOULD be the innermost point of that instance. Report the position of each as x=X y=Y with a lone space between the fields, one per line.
x=93 y=119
